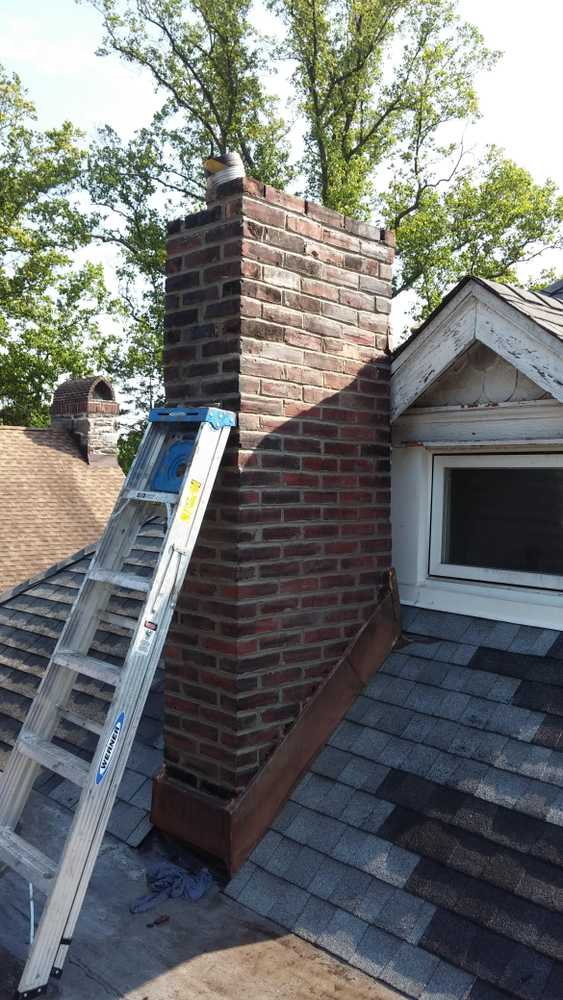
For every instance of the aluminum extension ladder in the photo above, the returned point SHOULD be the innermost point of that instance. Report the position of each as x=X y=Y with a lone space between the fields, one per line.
x=176 y=466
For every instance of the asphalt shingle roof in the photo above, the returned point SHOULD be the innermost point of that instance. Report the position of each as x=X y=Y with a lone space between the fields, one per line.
x=53 y=502
x=425 y=845
x=32 y=616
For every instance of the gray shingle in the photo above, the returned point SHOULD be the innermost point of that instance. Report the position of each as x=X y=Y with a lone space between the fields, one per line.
x=314 y=919
x=323 y=794
x=327 y=877
x=524 y=759
x=441 y=625
x=536 y=641
x=240 y=880
x=360 y=773
x=421 y=760
x=143 y=797
x=419 y=728
x=359 y=808
x=286 y=817
x=124 y=818
x=541 y=800
x=456 y=653
x=380 y=812
x=353 y=847
x=66 y=793
x=265 y=848
x=477 y=712
x=519 y=723
x=395 y=751
x=468 y=776
x=331 y=762
x=130 y=784
x=350 y=889
x=289 y=904
x=412 y=667
x=314 y=830
x=448 y=983
x=373 y=905
x=479 y=682
x=443 y=768
x=441 y=756
x=342 y=935
x=260 y=892
x=555 y=811
x=375 y=950
x=410 y=969
x=406 y=916
x=504 y=689
x=425 y=650
x=502 y=787
x=284 y=858
x=423 y=698
x=455 y=704
x=344 y=735
x=146 y=760
x=370 y=743
x=396 y=867
x=305 y=866
x=394 y=663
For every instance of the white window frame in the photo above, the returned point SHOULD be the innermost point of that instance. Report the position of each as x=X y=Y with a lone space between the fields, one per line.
x=436 y=566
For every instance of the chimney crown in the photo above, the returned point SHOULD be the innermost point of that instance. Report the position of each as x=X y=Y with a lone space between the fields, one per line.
x=88 y=409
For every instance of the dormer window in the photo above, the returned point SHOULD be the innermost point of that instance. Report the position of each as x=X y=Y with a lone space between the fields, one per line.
x=498 y=518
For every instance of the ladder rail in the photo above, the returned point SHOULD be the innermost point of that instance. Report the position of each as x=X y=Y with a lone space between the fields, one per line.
x=57 y=682
x=79 y=855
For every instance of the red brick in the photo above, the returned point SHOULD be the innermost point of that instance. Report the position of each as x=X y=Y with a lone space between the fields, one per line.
x=296 y=539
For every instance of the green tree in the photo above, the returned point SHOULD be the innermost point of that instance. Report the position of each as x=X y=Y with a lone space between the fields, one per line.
x=208 y=64
x=49 y=307
x=489 y=218
x=383 y=91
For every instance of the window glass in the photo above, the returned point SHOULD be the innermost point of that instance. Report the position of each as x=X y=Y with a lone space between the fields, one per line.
x=504 y=518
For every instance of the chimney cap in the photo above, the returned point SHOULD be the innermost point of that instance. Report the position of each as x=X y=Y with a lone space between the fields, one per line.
x=220 y=170
x=83 y=395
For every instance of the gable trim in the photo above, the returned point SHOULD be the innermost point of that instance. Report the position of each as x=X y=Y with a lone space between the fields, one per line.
x=475 y=313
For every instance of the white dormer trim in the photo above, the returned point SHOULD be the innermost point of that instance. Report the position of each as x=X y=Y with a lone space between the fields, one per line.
x=475 y=313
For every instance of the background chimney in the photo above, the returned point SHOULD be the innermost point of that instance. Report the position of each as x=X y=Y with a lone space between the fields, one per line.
x=87 y=408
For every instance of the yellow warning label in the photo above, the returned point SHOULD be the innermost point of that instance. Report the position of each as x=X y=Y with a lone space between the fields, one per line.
x=189 y=504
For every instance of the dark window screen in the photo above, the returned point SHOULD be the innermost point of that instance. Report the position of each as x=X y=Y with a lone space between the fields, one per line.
x=504 y=519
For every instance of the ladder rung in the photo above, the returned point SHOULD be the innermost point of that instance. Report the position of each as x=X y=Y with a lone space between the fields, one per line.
x=98 y=670
x=26 y=860
x=126 y=580
x=79 y=720
x=122 y=621
x=54 y=758
x=152 y=496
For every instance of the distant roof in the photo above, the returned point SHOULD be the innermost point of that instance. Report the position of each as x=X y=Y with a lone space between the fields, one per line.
x=52 y=502
x=544 y=309
x=32 y=616
x=425 y=845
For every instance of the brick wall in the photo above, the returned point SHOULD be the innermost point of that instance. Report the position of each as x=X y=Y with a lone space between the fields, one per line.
x=277 y=308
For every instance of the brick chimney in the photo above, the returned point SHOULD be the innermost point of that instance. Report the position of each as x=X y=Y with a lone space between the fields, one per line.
x=277 y=308
x=87 y=408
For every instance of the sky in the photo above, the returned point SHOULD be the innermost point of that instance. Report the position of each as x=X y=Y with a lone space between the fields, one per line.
x=52 y=46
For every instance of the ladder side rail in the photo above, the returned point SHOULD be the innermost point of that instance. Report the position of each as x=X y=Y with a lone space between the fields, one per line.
x=88 y=827
x=57 y=682
x=54 y=690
